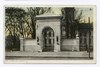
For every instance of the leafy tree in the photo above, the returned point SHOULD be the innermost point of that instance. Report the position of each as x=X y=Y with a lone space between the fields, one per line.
x=14 y=20
x=21 y=23
x=78 y=18
x=33 y=12
x=71 y=19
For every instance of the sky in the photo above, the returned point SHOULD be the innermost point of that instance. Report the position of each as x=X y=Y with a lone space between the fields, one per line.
x=86 y=12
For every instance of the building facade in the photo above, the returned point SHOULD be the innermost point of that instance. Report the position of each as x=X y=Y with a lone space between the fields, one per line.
x=86 y=36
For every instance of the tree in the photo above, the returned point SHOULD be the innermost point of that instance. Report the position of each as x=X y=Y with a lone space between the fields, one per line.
x=71 y=19
x=14 y=20
x=33 y=12
x=78 y=18
x=68 y=19
x=21 y=23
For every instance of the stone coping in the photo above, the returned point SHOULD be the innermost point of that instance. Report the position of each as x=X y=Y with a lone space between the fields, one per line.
x=39 y=17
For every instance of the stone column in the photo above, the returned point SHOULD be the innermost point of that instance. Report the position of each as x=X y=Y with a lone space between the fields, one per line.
x=47 y=40
x=57 y=45
x=21 y=44
x=77 y=42
x=52 y=37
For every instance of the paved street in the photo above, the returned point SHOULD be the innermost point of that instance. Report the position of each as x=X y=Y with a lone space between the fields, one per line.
x=47 y=55
x=44 y=58
x=48 y=58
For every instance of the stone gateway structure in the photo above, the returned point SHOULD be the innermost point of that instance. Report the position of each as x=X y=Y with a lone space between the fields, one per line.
x=48 y=32
x=48 y=37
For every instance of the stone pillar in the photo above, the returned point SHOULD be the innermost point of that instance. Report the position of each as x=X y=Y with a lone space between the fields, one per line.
x=57 y=48
x=48 y=39
x=57 y=45
x=52 y=38
x=21 y=44
x=77 y=42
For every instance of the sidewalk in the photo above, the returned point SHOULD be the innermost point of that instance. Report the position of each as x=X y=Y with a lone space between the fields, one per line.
x=67 y=54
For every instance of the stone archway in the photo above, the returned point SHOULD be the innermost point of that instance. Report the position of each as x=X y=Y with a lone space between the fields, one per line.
x=48 y=39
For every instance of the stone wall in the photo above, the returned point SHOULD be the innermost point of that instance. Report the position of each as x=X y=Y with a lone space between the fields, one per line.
x=29 y=45
x=70 y=44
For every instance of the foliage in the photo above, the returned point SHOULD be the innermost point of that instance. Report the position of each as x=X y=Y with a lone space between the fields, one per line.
x=33 y=12
x=71 y=19
x=20 y=23
x=12 y=43
x=14 y=21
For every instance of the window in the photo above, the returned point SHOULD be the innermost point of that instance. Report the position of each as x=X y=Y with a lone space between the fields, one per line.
x=49 y=41
x=53 y=34
x=49 y=34
x=90 y=40
x=90 y=33
x=84 y=34
x=85 y=41
x=80 y=40
x=80 y=34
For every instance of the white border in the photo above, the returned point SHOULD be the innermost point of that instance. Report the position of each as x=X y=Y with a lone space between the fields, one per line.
x=55 y=2
x=58 y=61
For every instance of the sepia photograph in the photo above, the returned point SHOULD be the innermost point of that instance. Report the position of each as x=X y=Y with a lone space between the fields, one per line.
x=50 y=34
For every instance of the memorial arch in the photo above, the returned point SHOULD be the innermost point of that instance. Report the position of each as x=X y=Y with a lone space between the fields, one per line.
x=48 y=32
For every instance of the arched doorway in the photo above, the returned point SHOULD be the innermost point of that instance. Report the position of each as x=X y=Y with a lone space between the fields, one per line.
x=48 y=39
